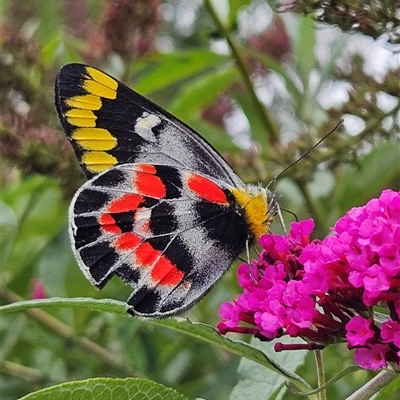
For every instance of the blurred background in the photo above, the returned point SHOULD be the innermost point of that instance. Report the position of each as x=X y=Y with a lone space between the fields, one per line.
x=261 y=80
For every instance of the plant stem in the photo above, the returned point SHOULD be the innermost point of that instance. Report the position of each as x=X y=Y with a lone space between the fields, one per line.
x=23 y=372
x=261 y=110
x=374 y=385
x=319 y=362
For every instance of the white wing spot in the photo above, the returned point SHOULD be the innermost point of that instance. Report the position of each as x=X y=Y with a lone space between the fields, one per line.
x=144 y=125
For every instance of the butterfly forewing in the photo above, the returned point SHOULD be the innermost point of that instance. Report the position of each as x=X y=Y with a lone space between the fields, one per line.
x=110 y=124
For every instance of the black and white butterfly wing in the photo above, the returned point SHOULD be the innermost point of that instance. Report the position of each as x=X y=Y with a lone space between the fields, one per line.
x=110 y=124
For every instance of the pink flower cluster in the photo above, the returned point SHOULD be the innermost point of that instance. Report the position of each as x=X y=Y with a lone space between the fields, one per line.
x=325 y=291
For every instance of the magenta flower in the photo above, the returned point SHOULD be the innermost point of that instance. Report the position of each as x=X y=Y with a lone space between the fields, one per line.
x=325 y=291
x=372 y=357
x=390 y=332
x=359 y=331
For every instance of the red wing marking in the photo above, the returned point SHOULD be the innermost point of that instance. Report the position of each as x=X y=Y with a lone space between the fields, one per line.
x=149 y=185
x=127 y=241
x=108 y=224
x=128 y=202
x=146 y=255
x=150 y=169
x=166 y=273
x=206 y=189
x=163 y=272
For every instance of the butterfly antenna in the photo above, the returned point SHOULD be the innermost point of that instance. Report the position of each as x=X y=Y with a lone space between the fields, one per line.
x=290 y=212
x=305 y=154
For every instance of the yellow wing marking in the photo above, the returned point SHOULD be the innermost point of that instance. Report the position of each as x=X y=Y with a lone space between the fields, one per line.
x=81 y=118
x=100 y=84
x=98 y=161
x=94 y=141
x=85 y=102
x=94 y=138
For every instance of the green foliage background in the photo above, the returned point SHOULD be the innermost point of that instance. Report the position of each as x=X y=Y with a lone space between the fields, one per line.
x=151 y=46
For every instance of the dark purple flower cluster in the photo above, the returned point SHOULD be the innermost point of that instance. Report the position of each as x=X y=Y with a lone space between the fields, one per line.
x=328 y=291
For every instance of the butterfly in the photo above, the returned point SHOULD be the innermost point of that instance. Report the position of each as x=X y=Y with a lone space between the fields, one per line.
x=161 y=208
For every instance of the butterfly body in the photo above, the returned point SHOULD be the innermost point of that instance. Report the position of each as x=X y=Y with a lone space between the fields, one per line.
x=161 y=209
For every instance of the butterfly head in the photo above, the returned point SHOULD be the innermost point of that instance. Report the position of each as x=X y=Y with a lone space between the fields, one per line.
x=259 y=206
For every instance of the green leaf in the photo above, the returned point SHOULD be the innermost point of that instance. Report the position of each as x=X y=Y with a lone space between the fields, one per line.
x=234 y=7
x=107 y=389
x=51 y=23
x=71 y=49
x=176 y=66
x=378 y=170
x=200 y=331
x=8 y=225
x=202 y=91
x=304 y=48
x=209 y=334
x=53 y=265
x=41 y=213
x=104 y=305
x=257 y=127
x=50 y=49
x=303 y=40
x=273 y=65
x=221 y=8
x=256 y=382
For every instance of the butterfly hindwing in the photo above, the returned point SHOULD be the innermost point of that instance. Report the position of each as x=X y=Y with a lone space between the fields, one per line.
x=170 y=233
x=109 y=124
